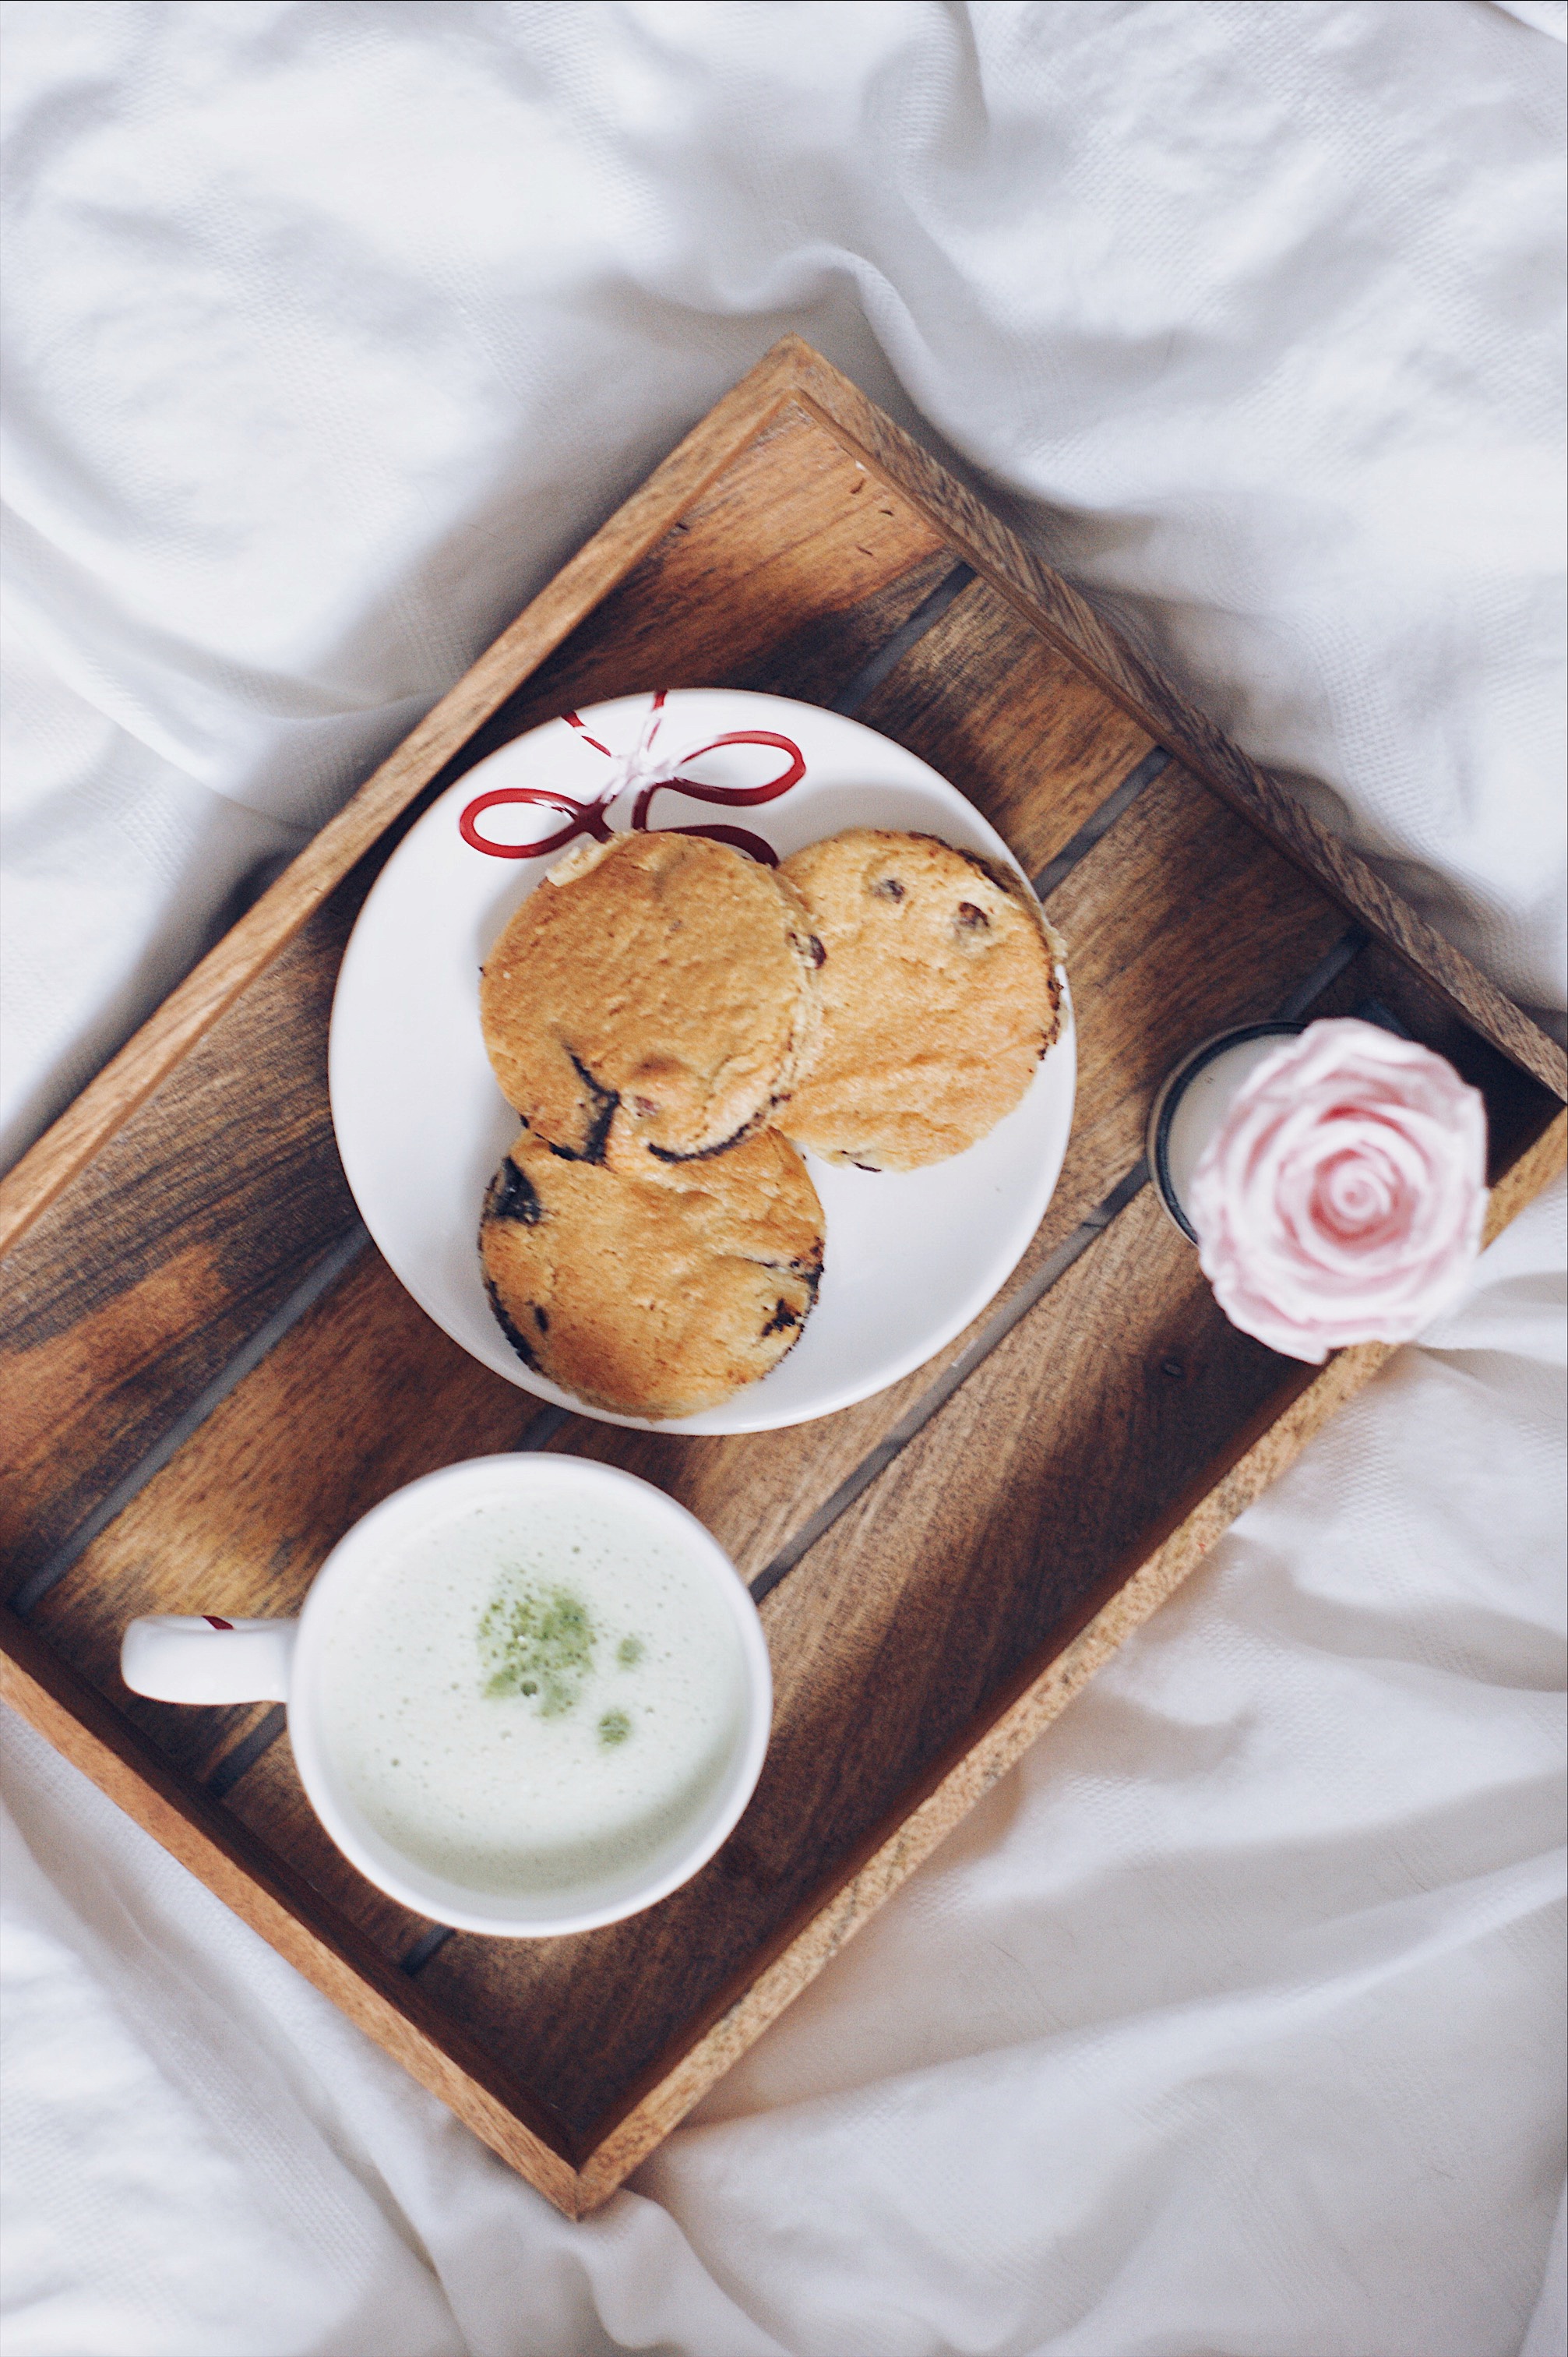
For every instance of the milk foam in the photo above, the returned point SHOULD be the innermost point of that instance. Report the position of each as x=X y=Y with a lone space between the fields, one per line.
x=580 y=1780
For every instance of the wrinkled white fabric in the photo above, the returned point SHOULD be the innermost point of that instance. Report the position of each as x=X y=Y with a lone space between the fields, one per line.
x=1231 y=2021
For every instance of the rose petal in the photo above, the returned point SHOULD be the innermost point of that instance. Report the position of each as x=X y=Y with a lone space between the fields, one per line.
x=1342 y=1200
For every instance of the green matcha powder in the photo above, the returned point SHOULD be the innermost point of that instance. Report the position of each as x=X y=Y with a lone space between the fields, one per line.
x=538 y=1642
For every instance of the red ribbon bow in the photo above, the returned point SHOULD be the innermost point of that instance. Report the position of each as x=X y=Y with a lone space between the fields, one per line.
x=637 y=768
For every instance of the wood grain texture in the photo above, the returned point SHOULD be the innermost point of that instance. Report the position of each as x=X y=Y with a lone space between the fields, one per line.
x=270 y=1799
x=1151 y=974
x=1541 y=1161
x=1068 y=1456
x=350 y=1369
x=251 y=945
x=1021 y=1718
x=276 y=1805
x=967 y=1588
x=141 y=1277
x=1071 y=624
x=1120 y=1394
x=363 y=1396
x=241 y=1520
x=366 y=1394
x=794 y=611
x=793 y=373
x=1029 y=738
x=783 y=458
x=725 y=436
x=1019 y=1722
x=137 y=1283
x=261 y=1889
x=863 y=1609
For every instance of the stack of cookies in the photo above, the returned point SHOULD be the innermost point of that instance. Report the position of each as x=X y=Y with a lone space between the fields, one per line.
x=671 y=1023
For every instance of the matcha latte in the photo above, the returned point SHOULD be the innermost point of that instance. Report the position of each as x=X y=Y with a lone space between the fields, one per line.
x=533 y=1693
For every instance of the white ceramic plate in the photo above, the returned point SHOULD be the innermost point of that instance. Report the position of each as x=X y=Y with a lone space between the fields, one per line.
x=911 y=1256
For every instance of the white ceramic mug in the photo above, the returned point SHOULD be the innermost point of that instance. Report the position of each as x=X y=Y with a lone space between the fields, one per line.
x=208 y=1658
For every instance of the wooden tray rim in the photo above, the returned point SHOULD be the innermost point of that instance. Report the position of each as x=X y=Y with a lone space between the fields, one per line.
x=792 y=370
x=579 y=2174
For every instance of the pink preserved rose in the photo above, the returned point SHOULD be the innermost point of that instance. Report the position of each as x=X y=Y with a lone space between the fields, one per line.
x=1342 y=1196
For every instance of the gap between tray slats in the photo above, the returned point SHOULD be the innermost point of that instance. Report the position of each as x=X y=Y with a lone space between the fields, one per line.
x=235 y=1762
x=242 y=1755
x=258 y=1738
x=430 y=1939
x=995 y=1331
x=885 y=655
x=867 y=1540
x=255 y=1741
x=981 y=644
x=138 y=1272
x=871 y=1542
x=856 y=691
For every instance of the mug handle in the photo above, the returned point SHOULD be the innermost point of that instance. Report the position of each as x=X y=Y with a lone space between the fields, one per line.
x=200 y=1657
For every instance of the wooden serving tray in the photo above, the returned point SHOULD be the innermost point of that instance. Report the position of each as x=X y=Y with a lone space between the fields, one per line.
x=207 y=1374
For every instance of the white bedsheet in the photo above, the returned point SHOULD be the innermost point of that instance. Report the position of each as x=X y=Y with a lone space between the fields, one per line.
x=1231 y=2023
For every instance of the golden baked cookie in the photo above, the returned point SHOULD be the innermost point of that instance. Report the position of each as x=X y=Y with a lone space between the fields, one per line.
x=938 y=997
x=658 y=986
x=652 y=1288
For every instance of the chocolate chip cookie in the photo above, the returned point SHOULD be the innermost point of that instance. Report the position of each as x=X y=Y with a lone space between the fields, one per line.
x=659 y=988
x=652 y=1288
x=939 y=995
